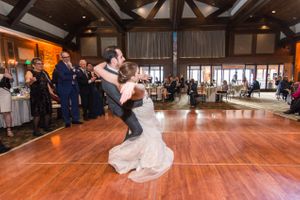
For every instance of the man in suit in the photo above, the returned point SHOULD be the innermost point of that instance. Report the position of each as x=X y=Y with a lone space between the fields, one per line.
x=114 y=58
x=67 y=89
x=193 y=92
x=85 y=81
x=254 y=86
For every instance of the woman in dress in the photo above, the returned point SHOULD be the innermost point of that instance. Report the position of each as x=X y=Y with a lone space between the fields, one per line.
x=148 y=156
x=5 y=103
x=40 y=99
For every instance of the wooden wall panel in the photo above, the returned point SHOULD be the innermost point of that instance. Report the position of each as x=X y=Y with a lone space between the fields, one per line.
x=297 y=62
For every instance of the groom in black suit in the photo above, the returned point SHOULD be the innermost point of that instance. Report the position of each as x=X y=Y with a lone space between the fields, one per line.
x=114 y=58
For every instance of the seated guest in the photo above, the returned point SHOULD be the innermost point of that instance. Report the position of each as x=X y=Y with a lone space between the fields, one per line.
x=295 y=105
x=222 y=92
x=254 y=86
x=213 y=83
x=245 y=88
x=177 y=85
x=225 y=87
x=40 y=99
x=202 y=89
x=6 y=101
x=172 y=88
x=193 y=92
x=284 y=87
x=157 y=82
x=181 y=81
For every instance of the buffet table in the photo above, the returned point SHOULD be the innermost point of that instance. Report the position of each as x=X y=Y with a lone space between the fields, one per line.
x=20 y=111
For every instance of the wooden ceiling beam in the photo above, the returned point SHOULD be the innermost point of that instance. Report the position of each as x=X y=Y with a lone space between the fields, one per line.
x=281 y=25
x=101 y=8
x=124 y=8
x=176 y=9
x=218 y=4
x=196 y=10
x=250 y=8
x=19 y=10
x=218 y=12
x=131 y=13
x=155 y=9
x=23 y=28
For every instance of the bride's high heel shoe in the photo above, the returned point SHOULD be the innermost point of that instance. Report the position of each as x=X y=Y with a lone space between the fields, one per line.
x=9 y=132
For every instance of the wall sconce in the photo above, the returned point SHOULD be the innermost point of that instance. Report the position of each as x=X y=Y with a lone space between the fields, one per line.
x=12 y=62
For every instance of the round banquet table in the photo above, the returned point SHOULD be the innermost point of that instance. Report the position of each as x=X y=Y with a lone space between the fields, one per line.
x=20 y=111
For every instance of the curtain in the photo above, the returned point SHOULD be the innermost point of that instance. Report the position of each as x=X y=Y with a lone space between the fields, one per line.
x=201 y=44
x=149 y=45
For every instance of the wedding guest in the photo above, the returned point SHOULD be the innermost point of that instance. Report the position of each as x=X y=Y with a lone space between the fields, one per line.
x=254 y=86
x=40 y=99
x=85 y=82
x=67 y=88
x=245 y=88
x=193 y=92
x=295 y=104
x=98 y=93
x=6 y=101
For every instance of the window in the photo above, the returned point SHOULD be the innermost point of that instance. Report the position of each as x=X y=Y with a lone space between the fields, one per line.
x=154 y=71
x=261 y=76
x=217 y=75
x=272 y=74
x=193 y=72
x=199 y=73
x=281 y=70
x=249 y=73
x=233 y=73
x=205 y=74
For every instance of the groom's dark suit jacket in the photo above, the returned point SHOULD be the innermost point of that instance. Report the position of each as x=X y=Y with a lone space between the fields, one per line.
x=123 y=111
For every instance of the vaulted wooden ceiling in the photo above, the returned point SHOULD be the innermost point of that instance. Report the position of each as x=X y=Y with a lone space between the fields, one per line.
x=76 y=16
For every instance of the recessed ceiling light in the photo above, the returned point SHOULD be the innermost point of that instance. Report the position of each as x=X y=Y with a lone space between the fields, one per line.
x=273 y=11
x=102 y=19
x=250 y=16
x=83 y=16
x=264 y=27
x=50 y=16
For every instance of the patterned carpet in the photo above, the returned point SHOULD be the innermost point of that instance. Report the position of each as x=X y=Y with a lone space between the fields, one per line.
x=182 y=103
x=266 y=101
x=23 y=133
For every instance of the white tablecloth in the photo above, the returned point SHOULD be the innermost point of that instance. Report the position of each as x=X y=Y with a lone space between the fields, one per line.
x=20 y=111
x=211 y=93
x=158 y=90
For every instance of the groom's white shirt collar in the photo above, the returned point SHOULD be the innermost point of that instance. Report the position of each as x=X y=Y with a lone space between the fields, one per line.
x=111 y=68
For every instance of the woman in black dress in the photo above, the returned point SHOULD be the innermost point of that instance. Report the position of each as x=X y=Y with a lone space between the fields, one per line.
x=40 y=98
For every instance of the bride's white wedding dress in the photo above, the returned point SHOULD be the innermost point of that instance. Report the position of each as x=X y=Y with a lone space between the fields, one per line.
x=148 y=156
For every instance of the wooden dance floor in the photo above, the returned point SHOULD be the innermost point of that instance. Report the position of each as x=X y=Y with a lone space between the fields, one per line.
x=218 y=155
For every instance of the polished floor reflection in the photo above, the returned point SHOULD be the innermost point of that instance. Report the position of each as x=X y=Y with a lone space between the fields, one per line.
x=219 y=154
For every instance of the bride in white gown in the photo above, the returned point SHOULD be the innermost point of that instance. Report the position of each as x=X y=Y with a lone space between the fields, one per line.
x=148 y=155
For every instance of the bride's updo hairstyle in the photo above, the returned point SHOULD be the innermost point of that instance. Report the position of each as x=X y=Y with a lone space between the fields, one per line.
x=126 y=71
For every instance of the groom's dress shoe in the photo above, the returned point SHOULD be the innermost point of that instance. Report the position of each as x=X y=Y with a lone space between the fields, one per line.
x=77 y=122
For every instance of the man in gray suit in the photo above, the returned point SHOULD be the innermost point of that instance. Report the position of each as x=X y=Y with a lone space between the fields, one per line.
x=114 y=58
